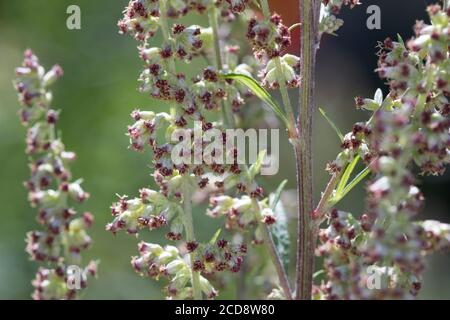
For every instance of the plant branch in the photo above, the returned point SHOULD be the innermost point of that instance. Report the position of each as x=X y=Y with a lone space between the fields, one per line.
x=165 y=31
x=227 y=113
x=190 y=236
x=270 y=245
x=187 y=201
x=265 y=8
x=326 y=195
x=292 y=128
x=295 y=25
x=309 y=39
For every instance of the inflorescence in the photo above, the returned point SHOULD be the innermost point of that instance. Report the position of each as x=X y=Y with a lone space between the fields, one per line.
x=51 y=189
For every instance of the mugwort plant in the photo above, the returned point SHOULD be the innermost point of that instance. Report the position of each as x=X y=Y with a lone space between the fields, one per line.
x=410 y=125
x=408 y=131
x=51 y=188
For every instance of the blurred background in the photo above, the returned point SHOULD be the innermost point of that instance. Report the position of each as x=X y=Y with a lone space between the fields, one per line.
x=97 y=94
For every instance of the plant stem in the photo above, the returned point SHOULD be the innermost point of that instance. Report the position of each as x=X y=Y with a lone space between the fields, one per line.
x=295 y=25
x=292 y=129
x=212 y=15
x=166 y=36
x=187 y=201
x=326 y=195
x=190 y=236
x=227 y=113
x=270 y=245
x=265 y=8
x=324 y=204
x=309 y=39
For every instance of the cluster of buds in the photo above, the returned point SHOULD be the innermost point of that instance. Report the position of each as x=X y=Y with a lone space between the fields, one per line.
x=339 y=248
x=268 y=37
x=238 y=6
x=354 y=144
x=329 y=23
x=155 y=261
x=193 y=100
x=197 y=95
x=207 y=169
x=151 y=211
x=435 y=236
x=290 y=68
x=141 y=17
x=50 y=186
x=61 y=284
x=241 y=214
x=350 y=267
x=411 y=125
x=217 y=256
x=419 y=74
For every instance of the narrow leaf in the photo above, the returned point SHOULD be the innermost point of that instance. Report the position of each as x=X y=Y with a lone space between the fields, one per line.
x=318 y=273
x=255 y=168
x=215 y=236
x=400 y=39
x=359 y=177
x=346 y=175
x=258 y=91
x=277 y=195
x=331 y=123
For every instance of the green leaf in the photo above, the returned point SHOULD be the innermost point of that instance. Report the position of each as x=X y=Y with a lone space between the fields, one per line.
x=276 y=196
x=378 y=96
x=421 y=100
x=400 y=39
x=280 y=235
x=318 y=273
x=215 y=236
x=258 y=91
x=331 y=123
x=346 y=175
x=256 y=167
x=359 y=177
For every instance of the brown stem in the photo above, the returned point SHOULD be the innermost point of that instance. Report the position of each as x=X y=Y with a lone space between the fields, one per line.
x=309 y=38
x=326 y=195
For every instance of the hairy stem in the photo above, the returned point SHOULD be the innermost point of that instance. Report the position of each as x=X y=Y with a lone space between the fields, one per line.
x=190 y=236
x=270 y=245
x=309 y=39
